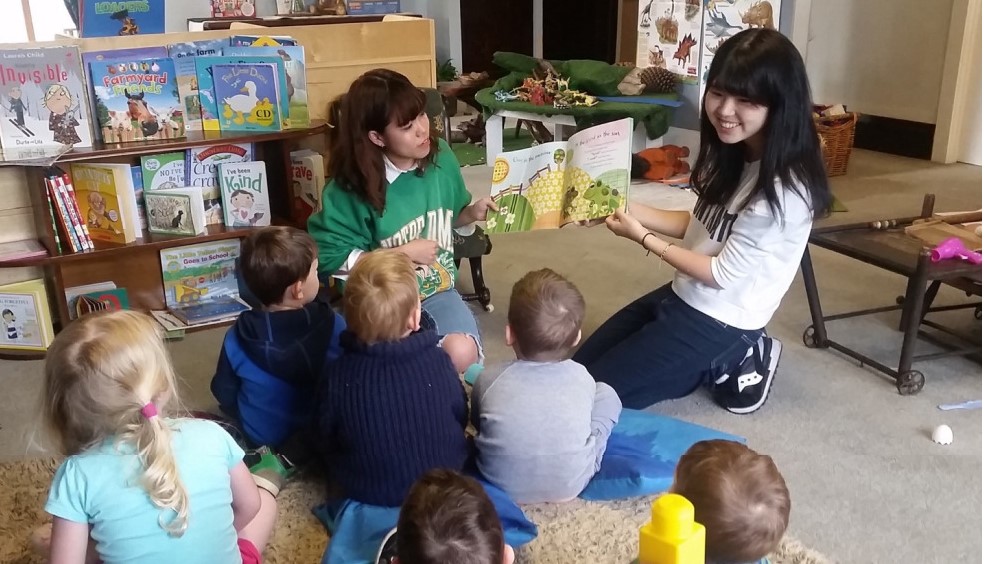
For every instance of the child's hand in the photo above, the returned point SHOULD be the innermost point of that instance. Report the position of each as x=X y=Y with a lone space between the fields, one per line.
x=623 y=224
x=420 y=251
x=479 y=210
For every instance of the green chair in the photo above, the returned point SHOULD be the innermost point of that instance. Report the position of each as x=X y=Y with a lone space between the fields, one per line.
x=478 y=244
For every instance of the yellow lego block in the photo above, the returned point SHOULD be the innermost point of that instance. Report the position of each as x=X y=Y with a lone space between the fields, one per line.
x=672 y=536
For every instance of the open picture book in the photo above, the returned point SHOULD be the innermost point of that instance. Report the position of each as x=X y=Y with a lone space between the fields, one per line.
x=551 y=185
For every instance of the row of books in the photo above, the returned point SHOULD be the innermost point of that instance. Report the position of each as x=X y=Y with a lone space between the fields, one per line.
x=177 y=193
x=245 y=83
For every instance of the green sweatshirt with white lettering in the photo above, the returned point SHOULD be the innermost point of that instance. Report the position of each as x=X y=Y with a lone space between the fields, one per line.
x=417 y=207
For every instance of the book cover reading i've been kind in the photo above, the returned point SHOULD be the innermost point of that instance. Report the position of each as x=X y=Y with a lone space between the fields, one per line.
x=43 y=98
x=245 y=199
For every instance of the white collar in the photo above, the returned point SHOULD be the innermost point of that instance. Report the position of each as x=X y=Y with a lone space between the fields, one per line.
x=392 y=171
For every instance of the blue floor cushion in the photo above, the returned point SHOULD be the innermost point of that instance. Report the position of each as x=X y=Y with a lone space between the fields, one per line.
x=642 y=453
x=357 y=529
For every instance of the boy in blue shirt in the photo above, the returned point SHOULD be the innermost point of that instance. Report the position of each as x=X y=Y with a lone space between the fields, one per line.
x=272 y=358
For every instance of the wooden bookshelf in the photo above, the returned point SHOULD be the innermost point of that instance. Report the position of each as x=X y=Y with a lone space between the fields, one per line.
x=136 y=266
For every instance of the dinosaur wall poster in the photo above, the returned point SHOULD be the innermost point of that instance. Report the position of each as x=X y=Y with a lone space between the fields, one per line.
x=724 y=18
x=669 y=36
x=554 y=184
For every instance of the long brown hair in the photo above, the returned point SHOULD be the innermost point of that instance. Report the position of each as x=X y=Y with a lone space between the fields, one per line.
x=376 y=99
x=100 y=371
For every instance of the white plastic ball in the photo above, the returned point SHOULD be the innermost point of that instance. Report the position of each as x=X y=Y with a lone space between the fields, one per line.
x=943 y=435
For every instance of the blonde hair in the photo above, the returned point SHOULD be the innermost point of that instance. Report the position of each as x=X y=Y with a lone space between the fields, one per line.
x=738 y=495
x=380 y=294
x=100 y=372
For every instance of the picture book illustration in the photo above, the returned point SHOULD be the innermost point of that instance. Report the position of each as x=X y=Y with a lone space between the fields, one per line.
x=232 y=8
x=202 y=169
x=293 y=57
x=24 y=316
x=204 y=72
x=197 y=273
x=725 y=18
x=166 y=170
x=247 y=96
x=170 y=213
x=669 y=36
x=43 y=98
x=184 y=55
x=102 y=18
x=245 y=198
x=554 y=184
x=137 y=100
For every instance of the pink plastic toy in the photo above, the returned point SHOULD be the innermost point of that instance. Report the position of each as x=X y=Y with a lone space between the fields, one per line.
x=954 y=248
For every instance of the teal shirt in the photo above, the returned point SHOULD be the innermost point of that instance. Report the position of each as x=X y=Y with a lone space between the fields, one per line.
x=101 y=487
x=417 y=207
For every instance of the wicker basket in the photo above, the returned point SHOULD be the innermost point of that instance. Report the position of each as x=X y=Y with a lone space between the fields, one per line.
x=837 y=140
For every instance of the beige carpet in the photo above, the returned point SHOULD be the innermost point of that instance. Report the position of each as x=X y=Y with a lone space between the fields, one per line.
x=574 y=532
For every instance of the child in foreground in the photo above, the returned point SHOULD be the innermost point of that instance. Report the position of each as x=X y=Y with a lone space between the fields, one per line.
x=273 y=356
x=139 y=485
x=392 y=407
x=738 y=495
x=447 y=518
x=543 y=423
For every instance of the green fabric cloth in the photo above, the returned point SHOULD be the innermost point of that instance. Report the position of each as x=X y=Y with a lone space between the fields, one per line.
x=592 y=77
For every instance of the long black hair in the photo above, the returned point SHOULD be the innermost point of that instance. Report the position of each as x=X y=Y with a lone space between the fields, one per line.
x=763 y=66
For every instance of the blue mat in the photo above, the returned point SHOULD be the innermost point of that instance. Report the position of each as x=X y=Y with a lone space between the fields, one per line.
x=641 y=456
x=357 y=529
x=643 y=452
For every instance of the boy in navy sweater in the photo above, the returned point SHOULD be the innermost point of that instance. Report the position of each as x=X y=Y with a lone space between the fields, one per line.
x=273 y=356
x=392 y=407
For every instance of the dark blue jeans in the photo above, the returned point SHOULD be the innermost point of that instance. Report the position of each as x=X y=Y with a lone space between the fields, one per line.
x=659 y=348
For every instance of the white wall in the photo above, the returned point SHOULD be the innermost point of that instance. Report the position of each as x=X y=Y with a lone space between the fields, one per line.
x=970 y=136
x=879 y=57
x=447 y=26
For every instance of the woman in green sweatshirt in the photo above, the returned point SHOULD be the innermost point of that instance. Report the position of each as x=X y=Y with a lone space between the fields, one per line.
x=394 y=185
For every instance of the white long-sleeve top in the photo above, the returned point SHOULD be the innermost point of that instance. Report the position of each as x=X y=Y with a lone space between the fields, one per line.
x=754 y=254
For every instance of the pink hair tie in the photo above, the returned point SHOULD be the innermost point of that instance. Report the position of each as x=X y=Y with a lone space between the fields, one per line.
x=149 y=411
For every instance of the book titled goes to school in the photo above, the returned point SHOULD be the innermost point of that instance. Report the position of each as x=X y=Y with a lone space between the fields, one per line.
x=554 y=184
x=200 y=282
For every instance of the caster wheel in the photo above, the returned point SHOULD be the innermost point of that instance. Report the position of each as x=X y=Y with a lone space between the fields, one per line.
x=910 y=383
x=810 y=338
x=489 y=308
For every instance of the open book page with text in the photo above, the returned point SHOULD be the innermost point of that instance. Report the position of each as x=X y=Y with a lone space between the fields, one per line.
x=550 y=185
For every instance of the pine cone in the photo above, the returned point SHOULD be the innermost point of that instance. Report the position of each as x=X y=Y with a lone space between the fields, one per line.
x=658 y=80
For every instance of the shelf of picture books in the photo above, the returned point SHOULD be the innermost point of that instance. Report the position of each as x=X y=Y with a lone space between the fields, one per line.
x=176 y=96
x=213 y=192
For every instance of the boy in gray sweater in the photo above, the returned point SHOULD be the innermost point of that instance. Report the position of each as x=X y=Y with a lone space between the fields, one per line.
x=543 y=422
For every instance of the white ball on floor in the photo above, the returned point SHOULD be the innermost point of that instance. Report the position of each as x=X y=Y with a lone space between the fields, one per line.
x=943 y=435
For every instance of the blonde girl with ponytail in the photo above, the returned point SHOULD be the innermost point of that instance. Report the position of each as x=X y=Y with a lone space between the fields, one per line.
x=138 y=484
